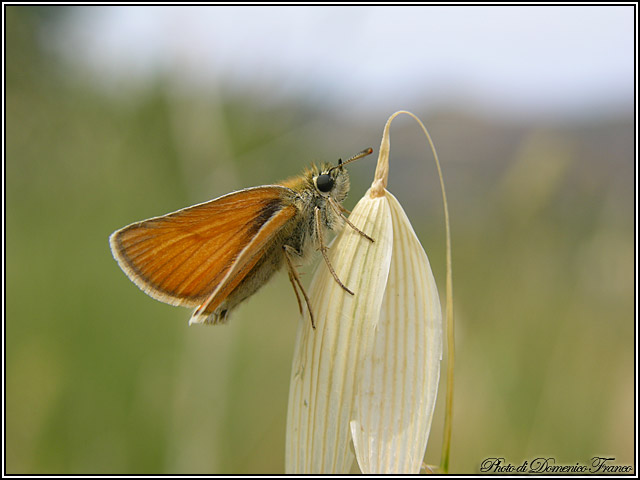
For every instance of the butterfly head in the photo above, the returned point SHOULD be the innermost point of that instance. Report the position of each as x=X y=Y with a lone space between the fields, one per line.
x=326 y=180
x=330 y=181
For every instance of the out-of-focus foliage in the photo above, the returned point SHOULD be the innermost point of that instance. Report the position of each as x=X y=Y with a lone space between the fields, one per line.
x=102 y=379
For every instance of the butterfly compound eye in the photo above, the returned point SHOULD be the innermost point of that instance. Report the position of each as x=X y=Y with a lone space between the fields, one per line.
x=324 y=183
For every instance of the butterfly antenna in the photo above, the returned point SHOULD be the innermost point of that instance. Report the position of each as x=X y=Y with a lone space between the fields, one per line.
x=357 y=156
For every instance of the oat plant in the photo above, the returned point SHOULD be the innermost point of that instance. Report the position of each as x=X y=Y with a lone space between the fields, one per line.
x=364 y=383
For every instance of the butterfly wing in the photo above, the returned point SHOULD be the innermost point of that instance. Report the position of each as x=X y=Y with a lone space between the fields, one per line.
x=198 y=255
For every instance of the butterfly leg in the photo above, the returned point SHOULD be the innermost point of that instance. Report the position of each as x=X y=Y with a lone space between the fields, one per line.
x=323 y=250
x=342 y=209
x=294 y=278
x=295 y=289
x=339 y=209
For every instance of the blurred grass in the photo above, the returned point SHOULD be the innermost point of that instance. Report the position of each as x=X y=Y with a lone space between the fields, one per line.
x=102 y=379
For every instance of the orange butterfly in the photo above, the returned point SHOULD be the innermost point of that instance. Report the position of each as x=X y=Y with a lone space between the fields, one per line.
x=214 y=255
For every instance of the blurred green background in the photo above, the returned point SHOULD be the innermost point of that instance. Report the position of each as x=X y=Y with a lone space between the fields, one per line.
x=102 y=379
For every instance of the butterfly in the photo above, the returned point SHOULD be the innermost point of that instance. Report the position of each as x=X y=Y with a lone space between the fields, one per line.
x=214 y=255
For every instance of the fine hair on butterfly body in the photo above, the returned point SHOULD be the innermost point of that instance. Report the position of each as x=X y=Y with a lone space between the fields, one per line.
x=214 y=255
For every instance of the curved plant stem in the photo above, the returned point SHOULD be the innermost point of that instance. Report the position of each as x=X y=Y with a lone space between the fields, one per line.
x=382 y=174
